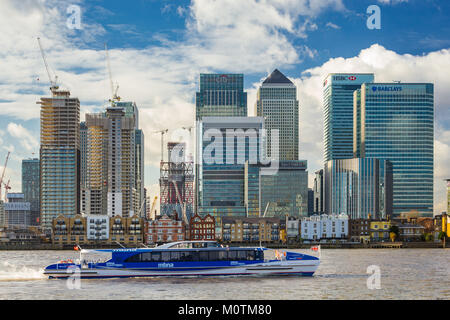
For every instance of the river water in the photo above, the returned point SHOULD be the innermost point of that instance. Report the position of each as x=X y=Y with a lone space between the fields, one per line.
x=342 y=274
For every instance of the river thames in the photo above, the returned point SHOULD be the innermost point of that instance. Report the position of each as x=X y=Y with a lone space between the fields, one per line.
x=342 y=274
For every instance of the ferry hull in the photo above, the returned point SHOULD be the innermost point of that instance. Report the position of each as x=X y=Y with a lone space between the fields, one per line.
x=265 y=269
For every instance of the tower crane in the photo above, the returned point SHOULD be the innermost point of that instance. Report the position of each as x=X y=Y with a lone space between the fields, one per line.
x=163 y=131
x=53 y=81
x=3 y=173
x=7 y=187
x=151 y=209
x=115 y=97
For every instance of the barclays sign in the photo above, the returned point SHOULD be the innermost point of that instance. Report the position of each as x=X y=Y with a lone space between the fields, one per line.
x=386 y=88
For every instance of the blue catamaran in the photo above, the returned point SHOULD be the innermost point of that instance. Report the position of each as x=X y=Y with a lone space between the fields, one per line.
x=185 y=259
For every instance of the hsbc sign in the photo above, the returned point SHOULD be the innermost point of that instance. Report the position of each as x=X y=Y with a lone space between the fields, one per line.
x=344 y=78
x=350 y=79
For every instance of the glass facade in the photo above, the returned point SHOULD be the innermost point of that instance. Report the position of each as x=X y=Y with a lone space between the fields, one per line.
x=30 y=187
x=359 y=187
x=286 y=192
x=221 y=95
x=397 y=124
x=222 y=177
x=59 y=157
x=338 y=89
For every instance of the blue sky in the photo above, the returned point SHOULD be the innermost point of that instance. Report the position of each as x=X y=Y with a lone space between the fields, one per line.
x=158 y=48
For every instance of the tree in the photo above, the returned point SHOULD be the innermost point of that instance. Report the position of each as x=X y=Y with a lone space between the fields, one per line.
x=396 y=231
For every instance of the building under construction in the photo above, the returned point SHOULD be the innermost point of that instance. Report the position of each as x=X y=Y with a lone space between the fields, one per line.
x=177 y=182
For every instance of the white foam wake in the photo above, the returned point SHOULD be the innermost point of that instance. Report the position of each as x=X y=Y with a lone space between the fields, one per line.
x=11 y=272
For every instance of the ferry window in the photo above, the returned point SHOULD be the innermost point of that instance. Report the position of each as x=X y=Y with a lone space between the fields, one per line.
x=146 y=256
x=250 y=255
x=232 y=255
x=165 y=256
x=185 y=256
x=156 y=256
x=135 y=258
x=222 y=255
x=195 y=255
x=213 y=255
x=242 y=255
x=174 y=256
x=203 y=255
x=259 y=255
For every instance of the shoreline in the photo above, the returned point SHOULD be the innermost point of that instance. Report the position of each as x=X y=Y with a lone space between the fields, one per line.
x=373 y=245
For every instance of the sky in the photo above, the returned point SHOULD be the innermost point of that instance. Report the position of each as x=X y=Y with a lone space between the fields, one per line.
x=158 y=49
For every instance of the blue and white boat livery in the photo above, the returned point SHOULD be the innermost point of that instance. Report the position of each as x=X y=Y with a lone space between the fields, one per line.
x=186 y=259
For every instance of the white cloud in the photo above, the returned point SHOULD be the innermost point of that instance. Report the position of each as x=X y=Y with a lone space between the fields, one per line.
x=25 y=138
x=332 y=25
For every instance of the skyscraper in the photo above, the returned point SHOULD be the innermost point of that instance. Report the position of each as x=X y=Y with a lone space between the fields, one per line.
x=338 y=89
x=30 y=187
x=224 y=147
x=397 y=124
x=221 y=95
x=277 y=103
x=360 y=188
x=111 y=163
x=59 y=156
x=83 y=166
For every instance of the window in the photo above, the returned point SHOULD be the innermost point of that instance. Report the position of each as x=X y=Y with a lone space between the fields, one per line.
x=204 y=255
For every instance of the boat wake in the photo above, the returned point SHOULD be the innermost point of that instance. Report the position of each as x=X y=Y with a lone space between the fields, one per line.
x=11 y=272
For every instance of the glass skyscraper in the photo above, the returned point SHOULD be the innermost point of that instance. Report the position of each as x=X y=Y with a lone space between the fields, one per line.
x=277 y=103
x=397 y=123
x=30 y=187
x=221 y=95
x=338 y=91
x=358 y=187
x=286 y=192
x=59 y=157
x=228 y=149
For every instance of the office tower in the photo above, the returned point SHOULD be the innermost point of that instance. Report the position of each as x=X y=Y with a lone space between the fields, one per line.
x=318 y=192
x=221 y=95
x=59 y=157
x=177 y=182
x=224 y=147
x=338 y=91
x=2 y=214
x=359 y=187
x=286 y=192
x=277 y=103
x=83 y=166
x=111 y=163
x=30 y=187
x=17 y=211
x=310 y=201
x=139 y=161
x=396 y=123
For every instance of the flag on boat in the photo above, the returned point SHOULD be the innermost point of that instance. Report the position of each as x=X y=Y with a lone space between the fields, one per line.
x=315 y=248
x=76 y=248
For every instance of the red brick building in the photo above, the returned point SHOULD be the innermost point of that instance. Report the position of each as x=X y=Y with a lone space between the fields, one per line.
x=202 y=228
x=165 y=229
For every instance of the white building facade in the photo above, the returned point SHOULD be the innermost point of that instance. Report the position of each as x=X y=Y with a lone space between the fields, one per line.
x=324 y=227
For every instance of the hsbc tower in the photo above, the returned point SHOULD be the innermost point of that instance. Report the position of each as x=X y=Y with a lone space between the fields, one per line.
x=338 y=91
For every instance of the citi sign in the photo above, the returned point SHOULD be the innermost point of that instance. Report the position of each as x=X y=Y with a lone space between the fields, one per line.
x=386 y=88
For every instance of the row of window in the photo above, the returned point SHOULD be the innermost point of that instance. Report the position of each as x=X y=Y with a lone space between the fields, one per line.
x=192 y=256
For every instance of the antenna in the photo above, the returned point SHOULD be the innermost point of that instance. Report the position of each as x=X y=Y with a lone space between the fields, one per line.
x=53 y=82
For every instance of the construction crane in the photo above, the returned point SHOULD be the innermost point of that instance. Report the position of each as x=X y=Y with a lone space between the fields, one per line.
x=163 y=131
x=7 y=187
x=53 y=81
x=115 y=97
x=3 y=173
x=182 y=203
x=151 y=209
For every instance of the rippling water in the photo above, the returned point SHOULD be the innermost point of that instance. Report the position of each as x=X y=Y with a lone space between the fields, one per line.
x=405 y=274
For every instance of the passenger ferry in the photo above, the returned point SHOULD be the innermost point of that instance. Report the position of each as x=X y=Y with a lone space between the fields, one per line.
x=185 y=259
